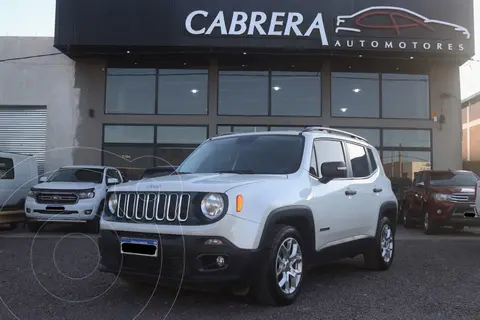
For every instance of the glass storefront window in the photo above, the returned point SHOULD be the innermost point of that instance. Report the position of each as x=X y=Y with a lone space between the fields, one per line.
x=273 y=128
x=372 y=135
x=296 y=93
x=130 y=91
x=355 y=94
x=131 y=160
x=243 y=93
x=175 y=143
x=128 y=134
x=405 y=96
x=404 y=164
x=226 y=129
x=181 y=134
x=182 y=91
x=406 y=138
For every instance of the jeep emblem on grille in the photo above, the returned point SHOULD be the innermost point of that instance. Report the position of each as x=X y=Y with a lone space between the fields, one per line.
x=154 y=186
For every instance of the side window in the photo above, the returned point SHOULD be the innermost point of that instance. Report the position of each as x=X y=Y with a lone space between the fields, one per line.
x=416 y=179
x=359 y=160
x=328 y=151
x=372 y=160
x=313 y=164
x=7 y=172
x=113 y=174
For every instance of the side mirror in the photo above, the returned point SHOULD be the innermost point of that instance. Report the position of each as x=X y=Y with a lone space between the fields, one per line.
x=111 y=181
x=420 y=185
x=333 y=170
x=43 y=179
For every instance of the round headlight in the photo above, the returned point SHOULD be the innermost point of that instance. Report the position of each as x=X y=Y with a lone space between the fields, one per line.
x=212 y=205
x=112 y=203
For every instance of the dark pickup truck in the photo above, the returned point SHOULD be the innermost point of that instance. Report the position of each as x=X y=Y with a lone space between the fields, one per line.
x=441 y=198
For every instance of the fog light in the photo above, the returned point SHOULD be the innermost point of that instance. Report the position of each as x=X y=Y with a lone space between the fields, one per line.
x=439 y=211
x=28 y=210
x=88 y=211
x=213 y=242
x=220 y=261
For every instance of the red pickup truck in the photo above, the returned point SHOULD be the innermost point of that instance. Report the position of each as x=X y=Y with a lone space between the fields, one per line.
x=441 y=198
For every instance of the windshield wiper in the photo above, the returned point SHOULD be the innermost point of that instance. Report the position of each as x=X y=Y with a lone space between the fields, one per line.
x=237 y=171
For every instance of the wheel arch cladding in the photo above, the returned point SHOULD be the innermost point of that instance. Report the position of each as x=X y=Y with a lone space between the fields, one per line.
x=299 y=217
x=389 y=209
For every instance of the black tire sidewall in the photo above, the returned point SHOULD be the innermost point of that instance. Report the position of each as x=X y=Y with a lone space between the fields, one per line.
x=385 y=265
x=277 y=293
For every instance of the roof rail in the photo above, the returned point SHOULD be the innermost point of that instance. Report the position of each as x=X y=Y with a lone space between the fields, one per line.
x=330 y=130
x=223 y=134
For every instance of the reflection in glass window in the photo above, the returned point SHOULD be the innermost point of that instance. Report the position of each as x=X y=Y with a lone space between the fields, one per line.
x=128 y=134
x=355 y=94
x=296 y=94
x=243 y=93
x=359 y=160
x=225 y=129
x=181 y=134
x=182 y=91
x=406 y=138
x=130 y=91
x=405 y=96
x=286 y=128
x=404 y=164
x=372 y=135
x=172 y=155
x=130 y=160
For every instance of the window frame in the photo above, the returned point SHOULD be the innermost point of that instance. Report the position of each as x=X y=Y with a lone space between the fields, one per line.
x=10 y=172
x=157 y=69
x=269 y=97
x=344 y=156
x=349 y=164
x=380 y=96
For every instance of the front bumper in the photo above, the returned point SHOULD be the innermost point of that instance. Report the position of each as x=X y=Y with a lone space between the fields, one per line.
x=180 y=258
x=455 y=214
x=84 y=210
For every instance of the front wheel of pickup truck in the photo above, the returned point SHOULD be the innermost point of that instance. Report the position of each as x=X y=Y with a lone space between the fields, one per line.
x=93 y=226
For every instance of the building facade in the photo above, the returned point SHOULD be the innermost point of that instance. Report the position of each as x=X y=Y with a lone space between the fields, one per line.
x=155 y=78
x=471 y=129
x=37 y=101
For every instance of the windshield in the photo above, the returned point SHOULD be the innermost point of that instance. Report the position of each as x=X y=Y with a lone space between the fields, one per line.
x=460 y=179
x=77 y=175
x=250 y=154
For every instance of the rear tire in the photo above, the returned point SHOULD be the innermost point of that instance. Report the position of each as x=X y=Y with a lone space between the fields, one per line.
x=381 y=254
x=281 y=270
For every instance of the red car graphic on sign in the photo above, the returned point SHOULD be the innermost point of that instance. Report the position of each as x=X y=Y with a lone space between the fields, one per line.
x=394 y=21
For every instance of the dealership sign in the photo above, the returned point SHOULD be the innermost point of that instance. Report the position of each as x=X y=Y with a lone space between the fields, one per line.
x=378 y=27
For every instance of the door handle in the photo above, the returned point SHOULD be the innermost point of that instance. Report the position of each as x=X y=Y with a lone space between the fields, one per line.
x=377 y=190
x=350 y=192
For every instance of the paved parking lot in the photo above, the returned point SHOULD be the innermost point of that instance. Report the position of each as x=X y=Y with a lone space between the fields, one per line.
x=54 y=277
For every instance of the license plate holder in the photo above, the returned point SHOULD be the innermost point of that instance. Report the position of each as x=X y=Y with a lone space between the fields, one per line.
x=139 y=247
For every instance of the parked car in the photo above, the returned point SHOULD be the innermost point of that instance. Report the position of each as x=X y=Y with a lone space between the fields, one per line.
x=72 y=194
x=441 y=198
x=252 y=211
x=158 y=172
x=18 y=173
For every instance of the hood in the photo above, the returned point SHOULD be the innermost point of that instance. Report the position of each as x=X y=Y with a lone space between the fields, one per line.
x=452 y=189
x=67 y=185
x=208 y=182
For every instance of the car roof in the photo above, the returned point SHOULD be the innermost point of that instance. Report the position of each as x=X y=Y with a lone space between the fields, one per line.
x=320 y=132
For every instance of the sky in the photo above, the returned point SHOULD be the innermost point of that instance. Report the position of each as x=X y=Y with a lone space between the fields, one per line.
x=37 y=18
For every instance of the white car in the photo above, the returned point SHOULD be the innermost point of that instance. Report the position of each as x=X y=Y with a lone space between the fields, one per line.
x=72 y=194
x=253 y=211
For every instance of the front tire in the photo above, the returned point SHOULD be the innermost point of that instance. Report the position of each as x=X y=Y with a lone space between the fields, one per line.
x=93 y=226
x=280 y=275
x=380 y=255
x=429 y=227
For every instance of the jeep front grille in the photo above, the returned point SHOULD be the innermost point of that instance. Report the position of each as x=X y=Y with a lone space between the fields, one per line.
x=158 y=207
x=56 y=197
